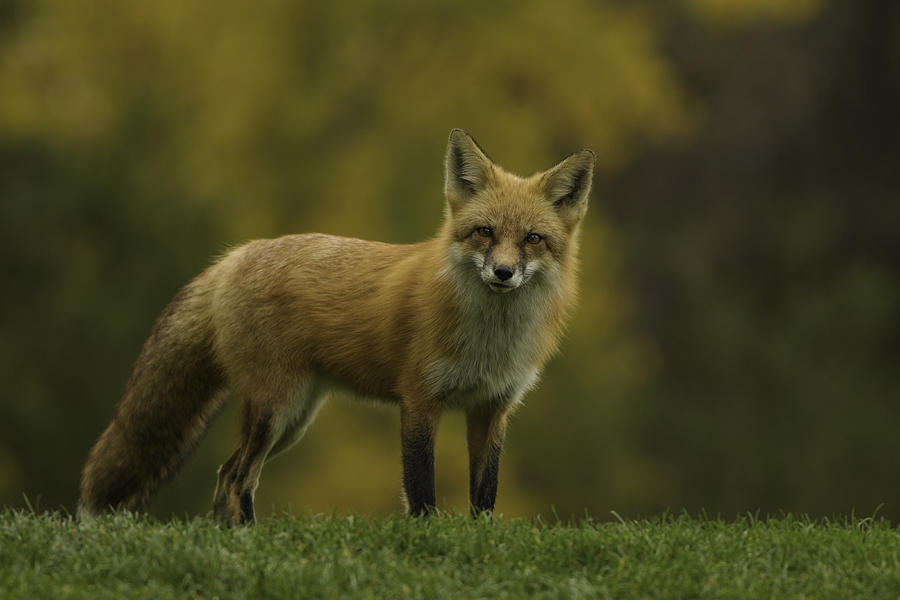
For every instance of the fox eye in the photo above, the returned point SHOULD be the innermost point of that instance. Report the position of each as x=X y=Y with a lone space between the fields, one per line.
x=485 y=231
x=533 y=238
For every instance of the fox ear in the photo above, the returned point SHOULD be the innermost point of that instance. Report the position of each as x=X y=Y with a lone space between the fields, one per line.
x=467 y=167
x=568 y=185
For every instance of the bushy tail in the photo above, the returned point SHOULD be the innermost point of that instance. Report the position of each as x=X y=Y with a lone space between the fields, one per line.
x=167 y=403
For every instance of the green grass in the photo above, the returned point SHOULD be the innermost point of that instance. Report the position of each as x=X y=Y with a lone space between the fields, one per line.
x=51 y=556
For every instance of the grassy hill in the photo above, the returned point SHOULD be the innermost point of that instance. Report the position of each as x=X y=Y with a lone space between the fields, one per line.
x=448 y=556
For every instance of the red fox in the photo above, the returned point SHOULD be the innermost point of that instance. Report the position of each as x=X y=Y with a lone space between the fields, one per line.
x=465 y=321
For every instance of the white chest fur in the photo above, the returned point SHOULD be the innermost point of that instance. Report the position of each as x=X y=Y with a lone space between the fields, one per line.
x=495 y=349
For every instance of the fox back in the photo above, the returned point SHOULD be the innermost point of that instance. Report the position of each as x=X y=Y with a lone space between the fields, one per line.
x=464 y=320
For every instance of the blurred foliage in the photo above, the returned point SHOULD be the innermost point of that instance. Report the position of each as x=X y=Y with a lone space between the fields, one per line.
x=738 y=333
x=751 y=13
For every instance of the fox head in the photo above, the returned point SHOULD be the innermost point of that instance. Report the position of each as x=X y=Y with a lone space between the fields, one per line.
x=510 y=229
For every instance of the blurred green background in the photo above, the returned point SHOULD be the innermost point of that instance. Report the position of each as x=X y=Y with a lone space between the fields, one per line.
x=737 y=341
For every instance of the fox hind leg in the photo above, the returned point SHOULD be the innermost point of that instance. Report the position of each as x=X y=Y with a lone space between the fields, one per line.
x=240 y=479
x=299 y=421
x=268 y=428
x=225 y=478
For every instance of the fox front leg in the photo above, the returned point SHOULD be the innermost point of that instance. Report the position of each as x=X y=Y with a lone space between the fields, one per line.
x=417 y=430
x=485 y=432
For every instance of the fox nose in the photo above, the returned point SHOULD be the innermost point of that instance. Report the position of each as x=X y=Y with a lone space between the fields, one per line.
x=503 y=272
